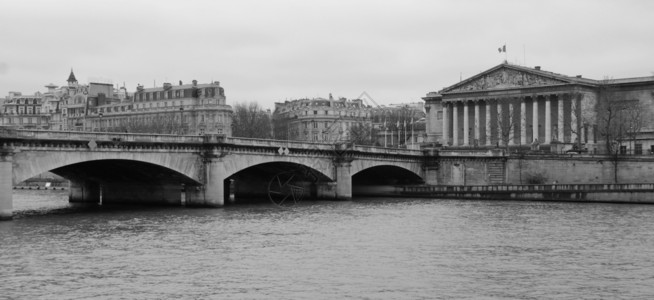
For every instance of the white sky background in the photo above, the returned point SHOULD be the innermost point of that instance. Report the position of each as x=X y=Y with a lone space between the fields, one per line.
x=268 y=51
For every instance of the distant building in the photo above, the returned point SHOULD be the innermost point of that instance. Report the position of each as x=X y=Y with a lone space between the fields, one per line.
x=99 y=106
x=172 y=109
x=320 y=119
x=23 y=111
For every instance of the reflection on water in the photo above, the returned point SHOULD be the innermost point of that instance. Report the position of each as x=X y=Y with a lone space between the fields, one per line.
x=363 y=249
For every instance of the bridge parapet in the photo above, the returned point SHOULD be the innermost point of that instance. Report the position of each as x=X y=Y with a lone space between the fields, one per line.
x=277 y=143
x=109 y=136
x=382 y=150
x=473 y=153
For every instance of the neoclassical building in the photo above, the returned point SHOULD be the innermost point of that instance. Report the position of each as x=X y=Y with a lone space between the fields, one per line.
x=517 y=105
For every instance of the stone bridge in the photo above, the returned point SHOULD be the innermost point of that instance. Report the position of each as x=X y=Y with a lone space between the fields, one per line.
x=199 y=170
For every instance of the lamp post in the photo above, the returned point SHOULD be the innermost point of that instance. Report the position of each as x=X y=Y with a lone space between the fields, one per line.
x=181 y=118
x=100 y=122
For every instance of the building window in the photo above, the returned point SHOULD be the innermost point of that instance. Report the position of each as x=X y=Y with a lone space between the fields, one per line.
x=315 y=124
x=638 y=149
x=315 y=112
x=439 y=115
x=326 y=112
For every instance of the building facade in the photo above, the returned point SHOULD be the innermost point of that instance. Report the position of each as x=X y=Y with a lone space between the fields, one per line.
x=99 y=106
x=23 y=111
x=511 y=105
x=171 y=109
x=321 y=120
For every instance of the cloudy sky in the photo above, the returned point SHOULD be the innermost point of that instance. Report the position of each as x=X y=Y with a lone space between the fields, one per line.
x=268 y=51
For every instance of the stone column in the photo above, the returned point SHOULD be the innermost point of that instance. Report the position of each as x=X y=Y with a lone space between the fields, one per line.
x=561 y=128
x=511 y=123
x=477 y=133
x=446 y=124
x=466 y=124
x=548 y=121
x=488 y=122
x=500 y=119
x=535 y=117
x=523 y=121
x=6 y=186
x=343 y=180
x=574 y=129
x=455 y=124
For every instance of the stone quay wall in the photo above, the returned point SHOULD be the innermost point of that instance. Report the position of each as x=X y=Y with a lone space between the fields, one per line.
x=575 y=169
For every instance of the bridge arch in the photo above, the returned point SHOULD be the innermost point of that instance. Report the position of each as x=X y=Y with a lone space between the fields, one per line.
x=256 y=182
x=235 y=163
x=31 y=164
x=413 y=167
x=386 y=174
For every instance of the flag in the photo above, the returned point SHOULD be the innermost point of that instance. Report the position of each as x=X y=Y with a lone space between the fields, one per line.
x=502 y=49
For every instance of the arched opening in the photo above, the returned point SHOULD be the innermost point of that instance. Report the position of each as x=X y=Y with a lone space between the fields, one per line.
x=382 y=181
x=124 y=181
x=282 y=183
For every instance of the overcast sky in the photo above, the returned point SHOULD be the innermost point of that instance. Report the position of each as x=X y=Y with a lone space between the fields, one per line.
x=268 y=51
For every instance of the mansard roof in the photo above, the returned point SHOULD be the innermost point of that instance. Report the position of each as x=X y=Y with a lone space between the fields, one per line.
x=71 y=77
x=508 y=76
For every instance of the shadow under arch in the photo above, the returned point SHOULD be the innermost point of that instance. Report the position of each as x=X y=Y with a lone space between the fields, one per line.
x=381 y=180
x=254 y=183
x=124 y=181
x=121 y=170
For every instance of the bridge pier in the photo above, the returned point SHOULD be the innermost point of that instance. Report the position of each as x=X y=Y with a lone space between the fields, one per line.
x=343 y=181
x=84 y=191
x=6 y=185
x=212 y=194
x=431 y=175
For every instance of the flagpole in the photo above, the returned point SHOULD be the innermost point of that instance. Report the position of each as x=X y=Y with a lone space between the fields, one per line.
x=412 y=137
x=385 y=136
x=505 y=56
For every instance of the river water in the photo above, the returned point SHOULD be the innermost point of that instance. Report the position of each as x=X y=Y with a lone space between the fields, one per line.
x=373 y=248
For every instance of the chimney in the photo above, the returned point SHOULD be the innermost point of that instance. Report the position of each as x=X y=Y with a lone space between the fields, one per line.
x=537 y=68
x=195 y=82
x=167 y=86
x=578 y=76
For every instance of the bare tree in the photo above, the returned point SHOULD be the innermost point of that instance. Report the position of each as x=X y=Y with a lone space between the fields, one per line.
x=158 y=123
x=619 y=121
x=251 y=121
x=363 y=134
x=509 y=121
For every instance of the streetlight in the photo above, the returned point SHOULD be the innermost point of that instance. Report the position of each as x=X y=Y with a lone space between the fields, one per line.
x=100 y=122
x=181 y=117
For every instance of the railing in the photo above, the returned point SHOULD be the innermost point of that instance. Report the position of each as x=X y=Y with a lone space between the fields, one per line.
x=528 y=188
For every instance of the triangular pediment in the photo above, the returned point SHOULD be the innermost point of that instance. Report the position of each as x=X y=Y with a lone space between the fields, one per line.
x=506 y=77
